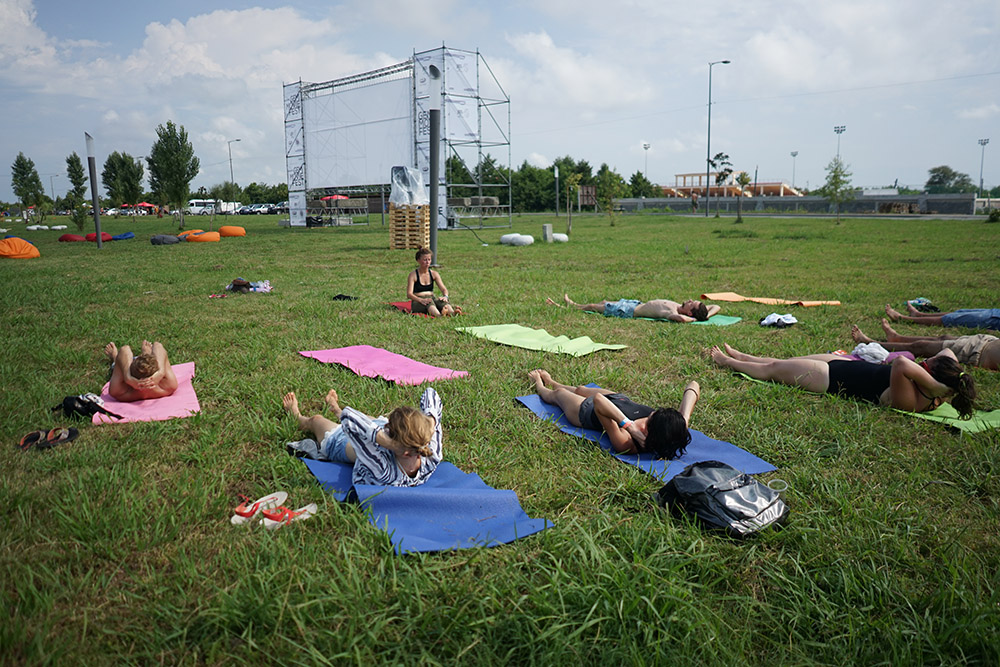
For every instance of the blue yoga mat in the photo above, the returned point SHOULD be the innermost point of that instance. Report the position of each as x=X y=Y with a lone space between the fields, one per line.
x=451 y=510
x=702 y=447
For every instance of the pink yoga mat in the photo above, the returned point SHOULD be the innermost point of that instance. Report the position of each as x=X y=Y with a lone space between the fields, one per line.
x=182 y=403
x=369 y=362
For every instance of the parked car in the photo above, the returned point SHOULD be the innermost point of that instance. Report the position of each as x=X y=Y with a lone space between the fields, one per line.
x=262 y=209
x=111 y=211
x=245 y=210
x=283 y=207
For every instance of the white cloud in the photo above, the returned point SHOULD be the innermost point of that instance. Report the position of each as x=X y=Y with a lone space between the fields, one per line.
x=537 y=160
x=980 y=113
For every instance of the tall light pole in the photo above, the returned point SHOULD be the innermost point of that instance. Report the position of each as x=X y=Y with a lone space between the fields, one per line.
x=708 y=143
x=229 y=144
x=982 y=142
x=839 y=129
x=794 y=155
x=52 y=190
x=645 y=149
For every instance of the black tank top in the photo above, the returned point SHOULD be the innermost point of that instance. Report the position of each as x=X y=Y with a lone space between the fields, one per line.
x=419 y=287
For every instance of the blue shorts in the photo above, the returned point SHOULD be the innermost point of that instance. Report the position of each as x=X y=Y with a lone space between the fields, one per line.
x=621 y=308
x=973 y=318
x=334 y=446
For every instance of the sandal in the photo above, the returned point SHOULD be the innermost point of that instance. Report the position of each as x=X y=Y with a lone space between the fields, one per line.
x=58 y=436
x=26 y=441
x=280 y=516
x=248 y=510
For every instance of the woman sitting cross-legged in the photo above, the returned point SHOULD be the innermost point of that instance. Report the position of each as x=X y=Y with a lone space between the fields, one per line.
x=401 y=450
x=903 y=384
x=632 y=428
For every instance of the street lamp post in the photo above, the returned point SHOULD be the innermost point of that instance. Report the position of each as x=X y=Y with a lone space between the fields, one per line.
x=52 y=190
x=794 y=155
x=982 y=142
x=229 y=145
x=708 y=143
x=645 y=149
x=839 y=129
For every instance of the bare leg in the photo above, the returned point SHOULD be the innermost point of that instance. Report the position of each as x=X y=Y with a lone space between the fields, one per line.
x=893 y=337
x=550 y=302
x=168 y=383
x=809 y=373
x=318 y=425
x=117 y=387
x=592 y=307
x=859 y=336
x=918 y=318
x=333 y=400
x=548 y=382
x=432 y=311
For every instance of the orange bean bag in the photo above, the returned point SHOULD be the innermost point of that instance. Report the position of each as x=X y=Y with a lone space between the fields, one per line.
x=16 y=248
x=185 y=233
x=92 y=236
x=203 y=237
x=232 y=230
x=65 y=238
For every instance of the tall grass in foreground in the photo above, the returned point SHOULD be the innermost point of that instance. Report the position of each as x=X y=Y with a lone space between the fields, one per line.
x=117 y=548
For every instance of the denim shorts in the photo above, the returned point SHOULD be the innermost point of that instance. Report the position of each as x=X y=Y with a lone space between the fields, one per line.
x=334 y=445
x=973 y=318
x=621 y=308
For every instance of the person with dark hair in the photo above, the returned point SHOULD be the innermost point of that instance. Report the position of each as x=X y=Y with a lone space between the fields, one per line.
x=420 y=288
x=972 y=318
x=903 y=384
x=136 y=378
x=633 y=428
x=982 y=350
x=656 y=309
x=402 y=449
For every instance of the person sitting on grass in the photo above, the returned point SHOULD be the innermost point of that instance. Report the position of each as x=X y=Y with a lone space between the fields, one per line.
x=657 y=309
x=401 y=450
x=420 y=288
x=632 y=428
x=136 y=378
x=982 y=350
x=972 y=318
x=903 y=384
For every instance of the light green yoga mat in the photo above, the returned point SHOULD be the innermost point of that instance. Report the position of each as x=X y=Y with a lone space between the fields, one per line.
x=714 y=320
x=537 y=339
x=944 y=413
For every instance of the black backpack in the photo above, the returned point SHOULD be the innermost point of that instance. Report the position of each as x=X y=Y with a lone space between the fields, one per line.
x=83 y=406
x=720 y=496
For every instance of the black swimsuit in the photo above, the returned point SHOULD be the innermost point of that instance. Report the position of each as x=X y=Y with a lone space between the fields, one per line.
x=418 y=287
x=859 y=379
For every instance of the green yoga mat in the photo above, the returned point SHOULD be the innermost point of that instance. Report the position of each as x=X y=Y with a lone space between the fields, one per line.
x=944 y=414
x=537 y=339
x=714 y=320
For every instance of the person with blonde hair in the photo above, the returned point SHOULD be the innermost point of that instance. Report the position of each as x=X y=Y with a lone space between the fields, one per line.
x=136 y=378
x=402 y=449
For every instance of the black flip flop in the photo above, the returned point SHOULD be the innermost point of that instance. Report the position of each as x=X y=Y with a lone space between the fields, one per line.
x=58 y=436
x=33 y=438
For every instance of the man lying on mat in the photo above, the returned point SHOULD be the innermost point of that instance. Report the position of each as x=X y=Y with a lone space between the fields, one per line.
x=656 y=309
x=401 y=450
x=903 y=384
x=632 y=428
x=136 y=378
x=981 y=350
x=973 y=318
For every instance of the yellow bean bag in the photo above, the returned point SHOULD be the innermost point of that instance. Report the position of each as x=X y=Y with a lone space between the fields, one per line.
x=185 y=233
x=203 y=237
x=232 y=230
x=16 y=248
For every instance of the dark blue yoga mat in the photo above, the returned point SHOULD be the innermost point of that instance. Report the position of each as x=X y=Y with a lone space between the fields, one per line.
x=702 y=447
x=451 y=510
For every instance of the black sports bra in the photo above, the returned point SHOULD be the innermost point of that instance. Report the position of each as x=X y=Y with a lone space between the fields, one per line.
x=418 y=287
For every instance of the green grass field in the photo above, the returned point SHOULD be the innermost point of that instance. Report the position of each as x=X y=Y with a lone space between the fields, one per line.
x=117 y=548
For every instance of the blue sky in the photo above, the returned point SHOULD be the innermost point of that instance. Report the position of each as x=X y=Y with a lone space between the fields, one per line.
x=916 y=83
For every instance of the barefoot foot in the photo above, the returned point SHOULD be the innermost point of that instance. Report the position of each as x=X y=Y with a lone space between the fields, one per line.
x=550 y=302
x=859 y=336
x=291 y=404
x=333 y=400
x=111 y=350
x=890 y=333
x=718 y=356
x=892 y=313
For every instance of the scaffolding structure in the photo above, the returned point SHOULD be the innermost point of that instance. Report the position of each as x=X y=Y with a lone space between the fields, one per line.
x=342 y=137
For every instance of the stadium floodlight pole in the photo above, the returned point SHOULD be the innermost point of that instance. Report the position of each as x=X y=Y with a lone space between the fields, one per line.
x=794 y=155
x=229 y=144
x=839 y=129
x=708 y=143
x=95 y=201
x=52 y=189
x=982 y=158
x=435 y=151
x=555 y=169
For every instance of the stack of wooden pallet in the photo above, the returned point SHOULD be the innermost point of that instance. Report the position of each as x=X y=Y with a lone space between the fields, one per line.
x=409 y=226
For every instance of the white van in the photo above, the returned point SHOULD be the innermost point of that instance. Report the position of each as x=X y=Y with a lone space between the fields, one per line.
x=199 y=207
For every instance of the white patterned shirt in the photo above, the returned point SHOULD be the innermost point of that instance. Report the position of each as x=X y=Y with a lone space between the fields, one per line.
x=377 y=465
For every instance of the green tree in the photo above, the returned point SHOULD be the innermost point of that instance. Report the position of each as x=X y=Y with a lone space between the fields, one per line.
x=640 y=186
x=25 y=182
x=122 y=178
x=77 y=195
x=610 y=187
x=172 y=166
x=743 y=180
x=723 y=168
x=572 y=187
x=533 y=189
x=945 y=180
x=255 y=193
x=837 y=189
